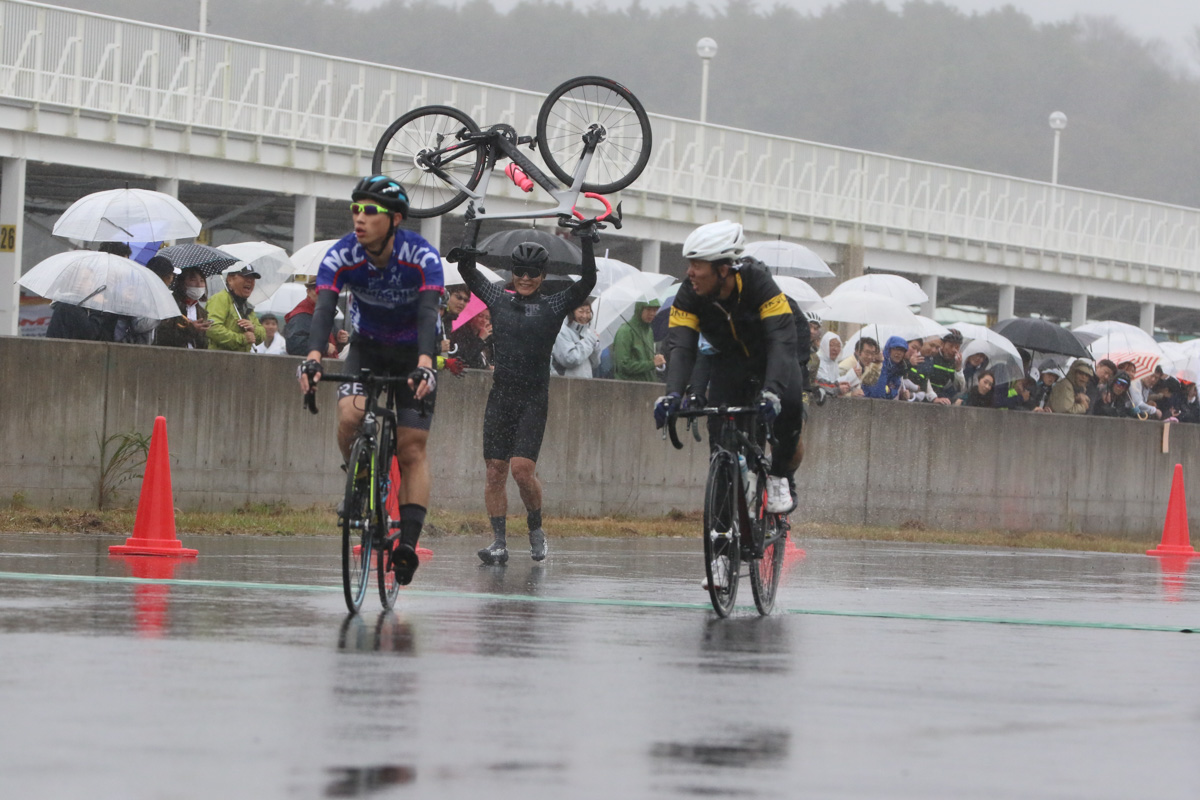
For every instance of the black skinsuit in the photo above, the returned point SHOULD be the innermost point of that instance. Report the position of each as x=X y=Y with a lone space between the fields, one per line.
x=523 y=334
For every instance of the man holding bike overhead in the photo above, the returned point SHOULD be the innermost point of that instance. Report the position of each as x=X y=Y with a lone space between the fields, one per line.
x=525 y=325
x=736 y=304
x=395 y=281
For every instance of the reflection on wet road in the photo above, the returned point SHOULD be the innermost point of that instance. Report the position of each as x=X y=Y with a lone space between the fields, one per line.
x=888 y=671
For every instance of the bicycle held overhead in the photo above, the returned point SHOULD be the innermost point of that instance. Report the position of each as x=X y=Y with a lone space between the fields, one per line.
x=592 y=133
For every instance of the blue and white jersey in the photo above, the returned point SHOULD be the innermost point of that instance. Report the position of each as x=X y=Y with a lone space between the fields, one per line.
x=383 y=303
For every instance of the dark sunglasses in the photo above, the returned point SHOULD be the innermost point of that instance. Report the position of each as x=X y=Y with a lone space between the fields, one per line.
x=526 y=272
x=370 y=209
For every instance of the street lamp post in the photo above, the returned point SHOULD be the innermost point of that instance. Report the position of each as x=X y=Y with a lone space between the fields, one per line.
x=1058 y=122
x=706 y=48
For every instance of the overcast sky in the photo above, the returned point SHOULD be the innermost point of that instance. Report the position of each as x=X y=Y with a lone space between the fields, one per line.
x=1173 y=21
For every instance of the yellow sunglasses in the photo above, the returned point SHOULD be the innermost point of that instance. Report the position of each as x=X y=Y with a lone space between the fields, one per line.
x=370 y=209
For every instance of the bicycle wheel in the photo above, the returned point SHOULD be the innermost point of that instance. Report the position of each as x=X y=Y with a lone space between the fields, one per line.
x=722 y=535
x=356 y=525
x=385 y=579
x=580 y=104
x=430 y=133
x=765 y=571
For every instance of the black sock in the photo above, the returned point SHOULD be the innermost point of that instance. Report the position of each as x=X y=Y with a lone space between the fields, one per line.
x=412 y=519
x=498 y=528
x=534 y=518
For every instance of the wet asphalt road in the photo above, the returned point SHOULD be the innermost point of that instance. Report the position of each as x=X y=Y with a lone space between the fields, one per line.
x=888 y=671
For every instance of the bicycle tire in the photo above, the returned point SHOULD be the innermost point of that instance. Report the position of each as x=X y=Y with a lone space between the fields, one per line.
x=356 y=525
x=425 y=129
x=766 y=570
x=385 y=579
x=571 y=109
x=722 y=516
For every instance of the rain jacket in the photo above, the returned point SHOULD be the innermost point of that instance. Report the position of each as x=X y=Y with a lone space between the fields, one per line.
x=576 y=352
x=1063 y=398
x=633 y=348
x=829 y=372
x=755 y=323
x=224 y=334
x=890 y=374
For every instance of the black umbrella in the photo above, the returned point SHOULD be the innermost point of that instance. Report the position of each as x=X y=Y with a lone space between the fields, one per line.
x=209 y=260
x=565 y=257
x=1041 y=336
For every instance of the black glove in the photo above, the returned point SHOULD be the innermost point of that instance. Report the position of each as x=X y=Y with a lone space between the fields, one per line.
x=423 y=375
x=311 y=368
x=459 y=253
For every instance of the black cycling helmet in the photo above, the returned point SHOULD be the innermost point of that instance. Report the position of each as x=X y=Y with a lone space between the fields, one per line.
x=384 y=191
x=530 y=254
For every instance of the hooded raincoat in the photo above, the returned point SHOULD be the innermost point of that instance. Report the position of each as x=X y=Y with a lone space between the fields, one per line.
x=633 y=348
x=890 y=374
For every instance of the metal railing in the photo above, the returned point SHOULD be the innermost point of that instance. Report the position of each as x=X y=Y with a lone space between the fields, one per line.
x=59 y=58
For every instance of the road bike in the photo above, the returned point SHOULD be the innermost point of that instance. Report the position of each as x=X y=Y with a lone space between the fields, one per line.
x=737 y=525
x=368 y=531
x=592 y=134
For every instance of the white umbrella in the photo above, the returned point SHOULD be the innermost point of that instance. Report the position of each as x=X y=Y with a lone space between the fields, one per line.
x=1111 y=326
x=616 y=305
x=307 y=260
x=452 y=277
x=270 y=261
x=127 y=215
x=1175 y=358
x=1124 y=341
x=102 y=282
x=894 y=286
x=971 y=330
x=866 y=308
x=284 y=299
x=1003 y=358
x=805 y=296
x=789 y=258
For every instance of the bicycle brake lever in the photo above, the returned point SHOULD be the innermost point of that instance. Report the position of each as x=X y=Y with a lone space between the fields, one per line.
x=616 y=217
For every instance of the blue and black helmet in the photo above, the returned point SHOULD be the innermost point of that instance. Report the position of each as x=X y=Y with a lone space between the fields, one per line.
x=384 y=191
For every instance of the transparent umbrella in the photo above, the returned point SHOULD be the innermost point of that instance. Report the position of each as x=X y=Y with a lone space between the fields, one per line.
x=1003 y=358
x=284 y=299
x=307 y=260
x=270 y=261
x=789 y=258
x=127 y=215
x=616 y=305
x=102 y=282
x=805 y=296
x=866 y=308
x=894 y=286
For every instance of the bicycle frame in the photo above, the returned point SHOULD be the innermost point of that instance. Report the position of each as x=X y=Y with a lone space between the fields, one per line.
x=501 y=141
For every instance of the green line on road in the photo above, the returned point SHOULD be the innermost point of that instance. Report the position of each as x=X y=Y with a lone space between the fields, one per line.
x=525 y=598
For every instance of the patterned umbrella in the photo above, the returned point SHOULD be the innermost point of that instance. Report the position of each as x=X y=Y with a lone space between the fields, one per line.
x=208 y=260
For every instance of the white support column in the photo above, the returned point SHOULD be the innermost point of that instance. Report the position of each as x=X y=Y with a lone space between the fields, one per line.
x=1079 y=303
x=12 y=219
x=929 y=284
x=1008 y=301
x=304 y=221
x=651 y=256
x=167 y=186
x=431 y=229
x=1146 y=320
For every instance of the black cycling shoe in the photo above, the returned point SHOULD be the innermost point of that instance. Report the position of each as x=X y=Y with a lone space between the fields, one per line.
x=494 y=553
x=404 y=563
x=537 y=544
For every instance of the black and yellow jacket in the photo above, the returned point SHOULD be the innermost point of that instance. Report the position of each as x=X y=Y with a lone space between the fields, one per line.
x=754 y=323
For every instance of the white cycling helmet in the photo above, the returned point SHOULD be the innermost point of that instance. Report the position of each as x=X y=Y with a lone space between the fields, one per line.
x=715 y=241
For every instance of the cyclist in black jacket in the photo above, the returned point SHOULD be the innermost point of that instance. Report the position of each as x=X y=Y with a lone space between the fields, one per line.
x=525 y=324
x=740 y=309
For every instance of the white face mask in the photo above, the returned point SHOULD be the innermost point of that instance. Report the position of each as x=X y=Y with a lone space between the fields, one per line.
x=195 y=292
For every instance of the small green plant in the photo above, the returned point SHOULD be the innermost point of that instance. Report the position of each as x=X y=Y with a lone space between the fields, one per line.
x=18 y=501
x=121 y=456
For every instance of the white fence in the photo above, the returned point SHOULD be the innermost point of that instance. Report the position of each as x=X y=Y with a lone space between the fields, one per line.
x=58 y=58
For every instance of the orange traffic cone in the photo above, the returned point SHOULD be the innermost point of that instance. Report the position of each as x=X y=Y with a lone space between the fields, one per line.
x=154 y=526
x=1176 y=540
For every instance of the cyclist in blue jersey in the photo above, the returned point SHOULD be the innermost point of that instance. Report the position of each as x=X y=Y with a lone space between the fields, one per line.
x=394 y=278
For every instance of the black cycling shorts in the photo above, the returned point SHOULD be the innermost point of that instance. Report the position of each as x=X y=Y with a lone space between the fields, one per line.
x=733 y=383
x=389 y=360
x=514 y=422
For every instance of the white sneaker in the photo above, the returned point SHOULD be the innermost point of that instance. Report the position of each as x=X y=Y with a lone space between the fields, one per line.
x=720 y=571
x=779 y=497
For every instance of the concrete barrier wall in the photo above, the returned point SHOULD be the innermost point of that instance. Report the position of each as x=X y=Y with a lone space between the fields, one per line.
x=238 y=434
